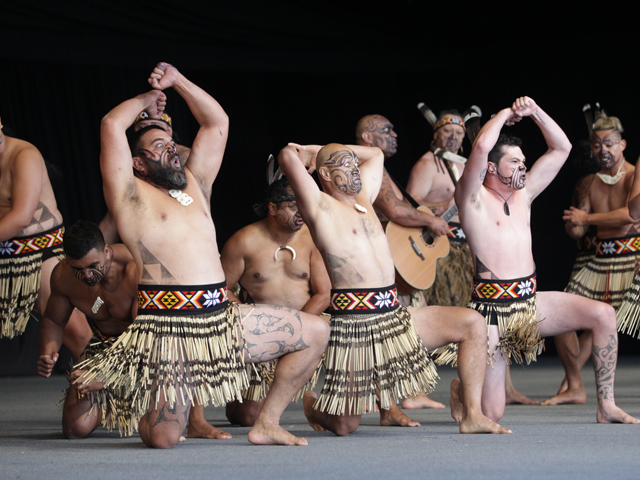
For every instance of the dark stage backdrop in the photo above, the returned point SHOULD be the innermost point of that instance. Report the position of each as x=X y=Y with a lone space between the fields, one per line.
x=302 y=72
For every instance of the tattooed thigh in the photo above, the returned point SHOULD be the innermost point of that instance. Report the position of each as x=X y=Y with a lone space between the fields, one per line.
x=271 y=331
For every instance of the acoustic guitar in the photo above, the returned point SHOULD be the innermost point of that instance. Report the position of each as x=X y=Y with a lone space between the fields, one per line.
x=415 y=251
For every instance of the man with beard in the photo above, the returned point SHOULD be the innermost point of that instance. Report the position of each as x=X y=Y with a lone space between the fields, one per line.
x=99 y=280
x=275 y=262
x=432 y=183
x=188 y=342
x=495 y=209
x=108 y=224
x=31 y=232
x=391 y=204
x=377 y=346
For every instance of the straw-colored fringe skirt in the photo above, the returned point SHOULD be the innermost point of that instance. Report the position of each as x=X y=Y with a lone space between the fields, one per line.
x=629 y=312
x=517 y=326
x=582 y=258
x=605 y=279
x=19 y=288
x=373 y=351
x=452 y=288
x=178 y=358
x=102 y=400
x=261 y=376
x=454 y=278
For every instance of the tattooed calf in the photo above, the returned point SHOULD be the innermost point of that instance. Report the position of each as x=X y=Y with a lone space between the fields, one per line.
x=604 y=363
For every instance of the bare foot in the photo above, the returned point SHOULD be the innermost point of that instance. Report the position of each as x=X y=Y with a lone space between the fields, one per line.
x=182 y=439
x=481 y=424
x=206 y=431
x=394 y=417
x=456 y=404
x=563 y=386
x=567 y=397
x=420 y=401
x=512 y=396
x=272 y=434
x=308 y=399
x=608 y=412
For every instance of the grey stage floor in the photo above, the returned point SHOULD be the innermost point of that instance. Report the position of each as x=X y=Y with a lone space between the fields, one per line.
x=548 y=442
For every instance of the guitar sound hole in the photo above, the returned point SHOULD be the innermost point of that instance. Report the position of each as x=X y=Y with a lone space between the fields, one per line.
x=426 y=236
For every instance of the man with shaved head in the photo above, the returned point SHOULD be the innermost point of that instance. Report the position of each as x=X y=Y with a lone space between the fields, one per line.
x=376 y=344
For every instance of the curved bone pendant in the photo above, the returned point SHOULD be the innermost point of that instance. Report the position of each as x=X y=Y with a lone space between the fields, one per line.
x=97 y=304
x=285 y=247
x=360 y=208
x=183 y=198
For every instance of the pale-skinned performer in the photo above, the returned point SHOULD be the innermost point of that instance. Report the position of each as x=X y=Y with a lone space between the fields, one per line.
x=494 y=197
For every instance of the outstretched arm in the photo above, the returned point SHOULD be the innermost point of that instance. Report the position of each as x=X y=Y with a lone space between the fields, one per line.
x=548 y=165
x=475 y=169
x=208 y=147
x=116 y=163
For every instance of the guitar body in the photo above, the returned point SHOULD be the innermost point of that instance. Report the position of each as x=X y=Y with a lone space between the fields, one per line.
x=414 y=256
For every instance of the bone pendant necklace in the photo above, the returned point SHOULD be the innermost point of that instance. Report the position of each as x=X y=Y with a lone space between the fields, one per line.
x=506 y=205
x=360 y=208
x=183 y=199
x=97 y=304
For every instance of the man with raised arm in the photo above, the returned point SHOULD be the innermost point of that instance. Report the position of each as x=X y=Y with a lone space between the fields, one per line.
x=108 y=224
x=275 y=262
x=494 y=197
x=188 y=343
x=376 y=344
x=99 y=280
x=433 y=183
x=31 y=234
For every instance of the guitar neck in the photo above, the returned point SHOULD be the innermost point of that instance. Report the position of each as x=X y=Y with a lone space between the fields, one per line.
x=450 y=213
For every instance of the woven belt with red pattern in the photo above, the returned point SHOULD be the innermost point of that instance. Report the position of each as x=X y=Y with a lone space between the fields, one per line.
x=370 y=300
x=455 y=233
x=27 y=245
x=613 y=247
x=170 y=298
x=504 y=290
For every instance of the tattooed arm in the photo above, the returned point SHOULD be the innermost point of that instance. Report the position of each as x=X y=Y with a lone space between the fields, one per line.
x=577 y=220
x=548 y=165
x=208 y=147
x=27 y=170
x=402 y=212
